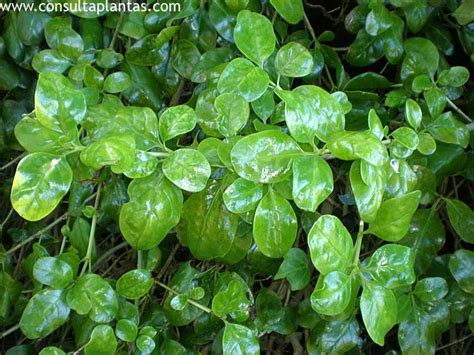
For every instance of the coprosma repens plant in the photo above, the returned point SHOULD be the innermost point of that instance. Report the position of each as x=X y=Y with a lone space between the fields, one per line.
x=238 y=176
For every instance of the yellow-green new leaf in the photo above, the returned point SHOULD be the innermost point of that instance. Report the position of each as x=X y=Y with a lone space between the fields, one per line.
x=41 y=181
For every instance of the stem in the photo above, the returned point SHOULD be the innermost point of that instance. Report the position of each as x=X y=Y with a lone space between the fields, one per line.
x=87 y=258
x=10 y=163
x=107 y=254
x=358 y=244
x=191 y=302
x=37 y=234
x=9 y=331
x=458 y=110
x=455 y=342
x=177 y=95
x=159 y=154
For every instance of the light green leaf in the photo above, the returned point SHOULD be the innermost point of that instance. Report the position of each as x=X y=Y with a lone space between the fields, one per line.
x=394 y=216
x=254 y=36
x=291 y=11
x=368 y=194
x=295 y=268
x=58 y=104
x=126 y=330
x=294 y=60
x=332 y=293
x=461 y=265
x=352 y=145
x=45 y=312
x=134 y=284
x=431 y=289
x=312 y=182
x=242 y=77
x=392 y=266
x=242 y=196
x=102 y=341
x=53 y=272
x=207 y=227
x=265 y=156
x=41 y=181
x=154 y=208
x=188 y=169
x=116 y=151
x=175 y=121
x=274 y=225
x=462 y=219
x=330 y=245
x=233 y=112
x=447 y=129
x=421 y=57
x=117 y=82
x=239 y=340
x=378 y=306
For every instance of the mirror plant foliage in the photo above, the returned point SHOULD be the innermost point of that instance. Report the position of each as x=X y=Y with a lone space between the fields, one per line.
x=238 y=177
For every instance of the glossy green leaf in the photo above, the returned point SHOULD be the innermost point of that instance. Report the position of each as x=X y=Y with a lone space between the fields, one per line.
x=295 y=268
x=292 y=12
x=45 y=312
x=51 y=350
x=274 y=226
x=154 y=208
x=254 y=36
x=425 y=237
x=41 y=181
x=378 y=307
x=186 y=56
x=188 y=169
x=392 y=266
x=293 y=60
x=233 y=113
x=126 y=330
x=115 y=151
x=102 y=341
x=407 y=137
x=394 y=216
x=58 y=104
x=134 y=284
x=53 y=272
x=242 y=77
x=207 y=227
x=461 y=218
x=431 y=289
x=413 y=113
x=330 y=245
x=446 y=128
x=265 y=156
x=242 y=196
x=332 y=295
x=310 y=111
x=368 y=194
x=312 y=182
x=418 y=333
x=421 y=57
x=175 y=121
x=461 y=265
x=426 y=144
x=92 y=295
x=454 y=76
x=334 y=336
x=351 y=145
x=231 y=300
x=117 y=82
x=238 y=339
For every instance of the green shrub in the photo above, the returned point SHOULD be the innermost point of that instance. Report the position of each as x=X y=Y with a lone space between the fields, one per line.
x=236 y=177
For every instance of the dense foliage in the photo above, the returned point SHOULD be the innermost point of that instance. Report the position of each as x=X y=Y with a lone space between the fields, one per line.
x=241 y=176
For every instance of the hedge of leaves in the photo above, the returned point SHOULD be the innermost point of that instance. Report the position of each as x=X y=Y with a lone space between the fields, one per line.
x=241 y=176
